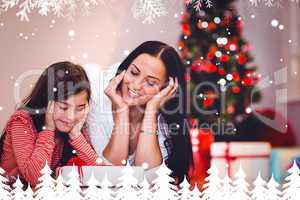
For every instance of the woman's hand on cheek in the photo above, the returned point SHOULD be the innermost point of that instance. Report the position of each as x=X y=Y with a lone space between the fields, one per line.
x=76 y=130
x=49 y=121
x=114 y=94
x=163 y=96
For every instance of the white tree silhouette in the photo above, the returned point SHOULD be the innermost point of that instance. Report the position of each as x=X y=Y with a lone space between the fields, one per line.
x=4 y=188
x=184 y=191
x=106 y=192
x=128 y=187
x=273 y=192
x=227 y=187
x=260 y=191
x=18 y=192
x=240 y=186
x=93 y=192
x=144 y=192
x=45 y=187
x=196 y=194
x=163 y=187
x=60 y=188
x=74 y=186
x=29 y=193
x=212 y=187
x=292 y=186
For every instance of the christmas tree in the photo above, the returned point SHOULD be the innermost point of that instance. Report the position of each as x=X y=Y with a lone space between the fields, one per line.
x=196 y=193
x=4 y=188
x=18 y=193
x=260 y=191
x=184 y=190
x=45 y=187
x=74 y=191
x=292 y=186
x=274 y=192
x=93 y=192
x=227 y=187
x=220 y=71
x=163 y=185
x=60 y=188
x=107 y=193
x=240 y=186
x=129 y=184
x=144 y=192
x=212 y=187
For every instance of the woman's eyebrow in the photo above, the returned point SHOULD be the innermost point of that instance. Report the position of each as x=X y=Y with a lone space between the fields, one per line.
x=140 y=71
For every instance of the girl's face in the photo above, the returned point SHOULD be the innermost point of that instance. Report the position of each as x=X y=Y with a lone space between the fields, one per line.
x=69 y=112
x=144 y=77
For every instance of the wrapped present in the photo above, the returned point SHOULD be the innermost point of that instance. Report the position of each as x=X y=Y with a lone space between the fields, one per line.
x=282 y=159
x=253 y=156
x=202 y=139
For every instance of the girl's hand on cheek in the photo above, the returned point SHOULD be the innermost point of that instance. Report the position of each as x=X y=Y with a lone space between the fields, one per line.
x=49 y=121
x=77 y=128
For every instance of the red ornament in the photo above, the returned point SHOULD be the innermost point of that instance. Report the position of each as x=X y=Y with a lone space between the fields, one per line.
x=211 y=26
x=224 y=58
x=235 y=76
x=199 y=24
x=207 y=102
x=247 y=81
x=186 y=29
x=221 y=71
x=204 y=65
x=242 y=59
x=211 y=53
x=236 y=89
x=230 y=109
x=209 y=99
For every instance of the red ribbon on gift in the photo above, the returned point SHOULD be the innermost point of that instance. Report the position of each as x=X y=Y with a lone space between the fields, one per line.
x=228 y=158
x=76 y=161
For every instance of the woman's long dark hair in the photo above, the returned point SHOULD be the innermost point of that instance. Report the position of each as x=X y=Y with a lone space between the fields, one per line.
x=180 y=158
x=58 y=82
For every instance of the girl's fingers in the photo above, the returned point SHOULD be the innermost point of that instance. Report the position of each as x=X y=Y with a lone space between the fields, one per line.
x=50 y=107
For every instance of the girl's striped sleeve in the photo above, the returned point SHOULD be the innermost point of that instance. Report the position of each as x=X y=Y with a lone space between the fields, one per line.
x=31 y=151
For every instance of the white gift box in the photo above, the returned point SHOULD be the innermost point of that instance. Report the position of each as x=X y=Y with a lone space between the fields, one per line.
x=114 y=173
x=253 y=156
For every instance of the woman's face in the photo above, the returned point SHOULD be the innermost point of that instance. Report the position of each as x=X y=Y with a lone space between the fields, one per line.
x=144 y=77
x=69 y=112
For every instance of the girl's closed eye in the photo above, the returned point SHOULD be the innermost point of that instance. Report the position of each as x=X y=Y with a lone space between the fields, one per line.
x=80 y=109
x=64 y=108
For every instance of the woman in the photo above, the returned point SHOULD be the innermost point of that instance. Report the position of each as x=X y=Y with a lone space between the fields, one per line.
x=48 y=126
x=149 y=116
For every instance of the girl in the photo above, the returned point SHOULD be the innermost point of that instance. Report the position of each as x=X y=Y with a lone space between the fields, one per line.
x=149 y=116
x=48 y=126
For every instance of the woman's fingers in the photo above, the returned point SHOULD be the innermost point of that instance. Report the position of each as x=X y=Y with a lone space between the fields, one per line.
x=117 y=79
x=113 y=84
x=166 y=90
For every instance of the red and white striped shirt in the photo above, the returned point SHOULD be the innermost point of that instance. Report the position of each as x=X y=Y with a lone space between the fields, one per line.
x=25 y=151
